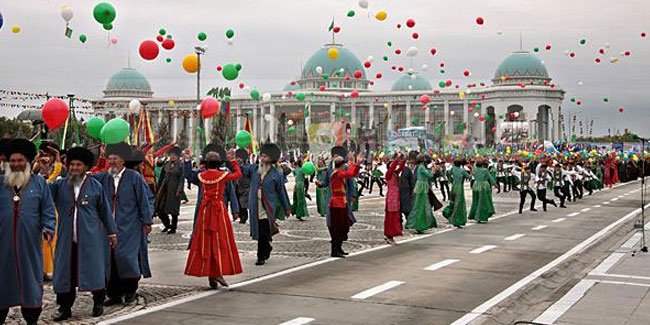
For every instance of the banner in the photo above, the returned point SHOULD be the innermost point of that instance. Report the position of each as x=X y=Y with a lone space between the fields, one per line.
x=412 y=138
x=514 y=131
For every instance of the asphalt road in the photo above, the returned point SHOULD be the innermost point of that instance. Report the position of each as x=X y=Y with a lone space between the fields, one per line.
x=437 y=278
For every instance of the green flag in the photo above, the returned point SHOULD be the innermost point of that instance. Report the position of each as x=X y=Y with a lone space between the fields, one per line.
x=331 y=26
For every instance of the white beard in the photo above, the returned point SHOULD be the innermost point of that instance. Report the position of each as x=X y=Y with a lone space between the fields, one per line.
x=75 y=180
x=4 y=167
x=18 y=179
x=113 y=171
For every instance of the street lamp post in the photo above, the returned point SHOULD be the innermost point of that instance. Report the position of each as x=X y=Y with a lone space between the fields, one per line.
x=199 y=50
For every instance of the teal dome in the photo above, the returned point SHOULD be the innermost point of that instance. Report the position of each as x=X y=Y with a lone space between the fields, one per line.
x=415 y=81
x=521 y=64
x=128 y=82
x=346 y=60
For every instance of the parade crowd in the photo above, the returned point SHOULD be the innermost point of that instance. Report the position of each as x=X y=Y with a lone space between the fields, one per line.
x=82 y=221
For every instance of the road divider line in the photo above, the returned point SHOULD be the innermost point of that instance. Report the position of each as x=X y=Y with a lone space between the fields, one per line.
x=514 y=237
x=606 y=202
x=299 y=321
x=439 y=265
x=597 y=206
x=561 y=306
x=573 y=214
x=487 y=305
x=483 y=249
x=377 y=290
x=540 y=227
x=615 y=199
x=585 y=209
x=559 y=220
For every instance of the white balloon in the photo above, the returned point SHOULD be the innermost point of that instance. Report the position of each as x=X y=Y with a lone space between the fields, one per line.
x=566 y=52
x=134 y=106
x=290 y=122
x=425 y=67
x=319 y=70
x=247 y=88
x=452 y=113
x=371 y=58
x=342 y=70
x=266 y=97
x=66 y=13
x=198 y=107
x=410 y=87
x=284 y=96
x=268 y=117
x=363 y=4
x=411 y=71
x=412 y=52
x=468 y=91
x=579 y=83
x=476 y=115
x=413 y=77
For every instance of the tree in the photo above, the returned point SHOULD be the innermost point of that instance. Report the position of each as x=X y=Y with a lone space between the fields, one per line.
x=221 y=133
x=162 y=134
x=12 y=128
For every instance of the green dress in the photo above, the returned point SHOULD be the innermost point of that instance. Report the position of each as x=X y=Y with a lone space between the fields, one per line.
x=421 y=218
x=355 y=196
x=299 y=206
x=482 y=205
x=456 y=210
x=321 y=192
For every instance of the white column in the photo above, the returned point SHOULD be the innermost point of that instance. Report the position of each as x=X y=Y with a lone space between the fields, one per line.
x=469 y=130
x=427 y=117
x=481 y=137
x=389 y=124
x=408 y=113
x=256 y=124
x=371 y=119
x=207 y=128
x=308 y=118
x=332 y=112
x=238 y=111
x=273 y=124
x=262 y=126
x=447 y=116
x=353 y=112
x=174 y=125
x=190 y=128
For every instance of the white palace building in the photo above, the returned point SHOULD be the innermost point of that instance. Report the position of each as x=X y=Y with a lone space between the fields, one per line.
x=521 y=93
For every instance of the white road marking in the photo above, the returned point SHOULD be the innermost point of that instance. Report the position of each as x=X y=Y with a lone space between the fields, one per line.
x=597 y=206
x=561 y=306
x=483 y=249
x=573 y=214
x=559 y=220
x=606 y=202
x=612 y=259
x=615 y=199
x=625 y=276
x=299 y=321
x=484 y=307
x=625 y=283
x=439 y=265
x=585 y=209
x=515 y=237
x=378 y=289
x=540 y=227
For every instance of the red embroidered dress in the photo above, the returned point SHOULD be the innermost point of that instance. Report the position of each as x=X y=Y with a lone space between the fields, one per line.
x=392 y=221
x=213 y=252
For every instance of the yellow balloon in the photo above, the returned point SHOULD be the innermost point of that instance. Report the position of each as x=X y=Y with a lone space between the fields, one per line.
x=385 y=105
x=15 y=29
x=503 y=78
x=172 y=103
x=333 y=53
x=381 y=15
x=461 y=95
x=191 y=63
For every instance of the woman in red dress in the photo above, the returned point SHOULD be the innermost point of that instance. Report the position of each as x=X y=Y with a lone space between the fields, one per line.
x=392 y=222
x=213 y=252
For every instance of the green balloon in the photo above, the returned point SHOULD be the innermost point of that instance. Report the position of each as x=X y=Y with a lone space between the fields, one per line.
x=583 y=41
x=108 y=26
x=606 y=100
x=351 y=13
x=442 y=84
x=238 y=67
x=292 y=130
x=169 y=60
x=325 y=76
x=83 y=38
x=389 y=43
x=169 y=36
x=162 y=32
x=300 y=97
x=94 y=127
x=202 y=36
x=115 y=131
x=104 y=13
x=255 y=94
x=230 y=72
x=230 y=33
x=227 y=99
x=243 y=139
x=385 y=57
x=308 y=168
x=536 y=49
x=442 y=71
x=573 y=100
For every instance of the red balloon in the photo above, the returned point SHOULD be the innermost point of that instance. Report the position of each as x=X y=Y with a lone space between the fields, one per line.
x=394 y=67
x=494 y=130
x=149 y=50
x=442 y=64
x=548 y=47
x=354 y=94
x=337 y=29
x=643 y=34
x=55 y=113
x=448 y=83
x=399 y=26
x=378 y=76
x=289 y=93
x=168 y=44
x=241 y=85
x=513 y=115
x=321 y=88
x=601 y=51
x=471 y=110
x=357 y=74
x=219 y=68
x=293 y=83
x=209 y=107
x=481 y=118
x=347 y=78
x=578 y=103
x=627 y=53
x=480 y=20
x=415 y=35
x=433 y=51
x=621 y=109
x=573 y=55
x=372 y=83
x=400 y=69
x=398 y=51
x=410 y=23
x=466 y=73
x=424 y=99
x=436 y=92
x=367 y=64
x=597 y=60
x=159 y=38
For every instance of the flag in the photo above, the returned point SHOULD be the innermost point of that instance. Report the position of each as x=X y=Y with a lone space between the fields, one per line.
x=145 y=132
x=68 y=32
x=248 y=126
x=331 y=26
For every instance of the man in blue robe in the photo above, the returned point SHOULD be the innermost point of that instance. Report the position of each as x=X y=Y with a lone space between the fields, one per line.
x=267 y=192
x=26 y=216
x=86 y=228
x=132 y=207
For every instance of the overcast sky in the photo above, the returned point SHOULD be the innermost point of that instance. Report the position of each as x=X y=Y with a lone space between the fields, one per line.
x=273 y=37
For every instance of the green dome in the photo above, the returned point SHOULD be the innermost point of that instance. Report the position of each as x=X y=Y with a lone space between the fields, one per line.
x=346 y=60
x=128 y=82
x=415 y=81
x=521 y=64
